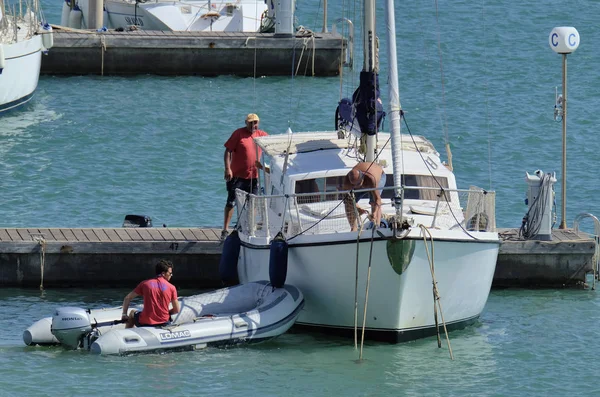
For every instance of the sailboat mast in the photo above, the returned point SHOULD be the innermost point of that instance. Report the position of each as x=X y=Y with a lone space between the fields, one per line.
x=369 y=51
x=394 y=98
x=369 y=36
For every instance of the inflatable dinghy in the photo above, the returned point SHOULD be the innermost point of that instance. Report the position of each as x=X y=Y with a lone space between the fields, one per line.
x=244 y=313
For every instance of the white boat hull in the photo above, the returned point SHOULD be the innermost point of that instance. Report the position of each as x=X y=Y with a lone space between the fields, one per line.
x=242 y=16
x=400 y=306
x=21 y=72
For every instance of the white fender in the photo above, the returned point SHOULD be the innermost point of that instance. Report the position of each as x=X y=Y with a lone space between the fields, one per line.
x=47 y=37
x=75 y=17
x=64 y=16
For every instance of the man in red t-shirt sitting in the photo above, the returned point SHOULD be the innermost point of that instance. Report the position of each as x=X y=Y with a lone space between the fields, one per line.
x=241 y=165
x=158 y=293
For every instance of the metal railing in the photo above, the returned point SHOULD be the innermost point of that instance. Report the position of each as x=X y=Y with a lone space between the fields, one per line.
x=596 y=235
x=327 y=212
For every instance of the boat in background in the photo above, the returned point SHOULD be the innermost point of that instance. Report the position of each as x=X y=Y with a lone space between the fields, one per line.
x=193 y=15
x=23 y=38
x=252 y=312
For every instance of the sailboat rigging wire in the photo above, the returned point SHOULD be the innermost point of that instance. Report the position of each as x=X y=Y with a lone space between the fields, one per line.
x=437 y=304
x=362 y=339
x=439 y=44
x=442 y=189
x=487 y=102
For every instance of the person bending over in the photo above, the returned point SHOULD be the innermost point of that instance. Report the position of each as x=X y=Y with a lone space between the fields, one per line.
x=364 y=175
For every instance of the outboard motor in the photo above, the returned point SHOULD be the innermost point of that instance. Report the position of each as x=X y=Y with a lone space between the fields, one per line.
x=70 y=325
x=137 y=221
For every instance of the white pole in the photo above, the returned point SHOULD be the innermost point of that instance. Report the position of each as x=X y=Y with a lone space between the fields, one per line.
x=95 y=14
x=394 y=98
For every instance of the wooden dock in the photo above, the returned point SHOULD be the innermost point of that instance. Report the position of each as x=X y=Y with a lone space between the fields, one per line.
x=83 y=52
x=121 y=257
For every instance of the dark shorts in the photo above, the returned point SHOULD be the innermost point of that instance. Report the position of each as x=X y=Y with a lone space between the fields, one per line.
x=136 y=321
x=247 y=185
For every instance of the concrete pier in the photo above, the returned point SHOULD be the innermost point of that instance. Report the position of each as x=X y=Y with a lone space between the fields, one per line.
x=562 y=262
x=82 y=52
x=121 y=257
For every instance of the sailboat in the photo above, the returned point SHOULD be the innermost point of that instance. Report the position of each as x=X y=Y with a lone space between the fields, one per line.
x=428 y=265
x=23 y=38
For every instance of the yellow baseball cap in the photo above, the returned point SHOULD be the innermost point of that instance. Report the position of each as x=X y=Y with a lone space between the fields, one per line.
x=252 y=117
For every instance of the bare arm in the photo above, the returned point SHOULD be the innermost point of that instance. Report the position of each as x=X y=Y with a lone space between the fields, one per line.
x=127 y=301
x=175 y=308
x=376 y=207
x=227 y=163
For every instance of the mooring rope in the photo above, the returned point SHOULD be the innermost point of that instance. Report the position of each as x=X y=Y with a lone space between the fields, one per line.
x=307 y=35
x=437 y=304
x=103 y=48
x=356 y=214
x=362 y=339
x=42 y=242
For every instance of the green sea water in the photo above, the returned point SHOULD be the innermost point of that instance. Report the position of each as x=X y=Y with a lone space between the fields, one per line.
x=90 y=149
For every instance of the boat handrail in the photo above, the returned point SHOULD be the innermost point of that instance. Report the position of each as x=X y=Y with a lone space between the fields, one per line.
x=265 y=215
x=596 y=259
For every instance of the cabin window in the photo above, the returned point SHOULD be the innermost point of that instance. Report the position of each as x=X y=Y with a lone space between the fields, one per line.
x=331 y=186
x=328 y=187
x=418 y=181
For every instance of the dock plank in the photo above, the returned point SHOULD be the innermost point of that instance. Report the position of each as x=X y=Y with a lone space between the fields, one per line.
x=4 y=235
x=112 y=235
x=155 y=234
x=102 y=236
x=69 y=235
x=58 y=234
x=187 y=234
x=166 y=233
x=79 y=235
x=48 y=236
x=199 y=234
x=133 y=234
x=144 y=234
x=177 y=235
x=213 y=234
x=89 y=233
x=123 y=235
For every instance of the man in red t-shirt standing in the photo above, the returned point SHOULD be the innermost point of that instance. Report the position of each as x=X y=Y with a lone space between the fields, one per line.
x=241 y=165
x=158 y=293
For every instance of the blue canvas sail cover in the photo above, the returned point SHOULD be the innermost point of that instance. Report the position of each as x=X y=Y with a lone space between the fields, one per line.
x=365 y=106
